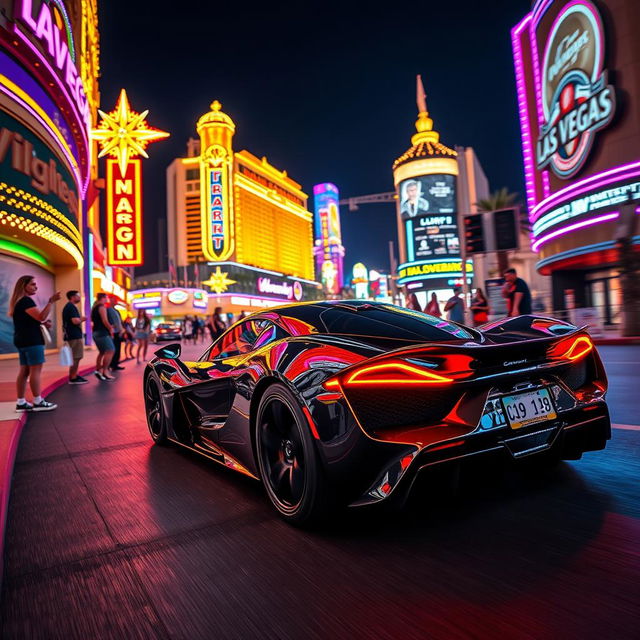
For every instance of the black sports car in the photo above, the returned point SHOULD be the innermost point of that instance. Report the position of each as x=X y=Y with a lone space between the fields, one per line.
x=344 y=402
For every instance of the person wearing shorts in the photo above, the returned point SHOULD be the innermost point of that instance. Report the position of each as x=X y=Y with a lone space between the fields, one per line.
x=29 y=341
x=102 y=336
x=143 y=328
x=72 y=328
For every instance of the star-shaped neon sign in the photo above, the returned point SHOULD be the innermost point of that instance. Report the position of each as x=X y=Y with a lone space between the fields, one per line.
x=125 y=134
x=218 y=281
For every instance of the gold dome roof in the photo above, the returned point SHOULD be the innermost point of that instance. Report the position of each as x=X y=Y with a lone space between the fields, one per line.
x=425 y=143
x=215 y=117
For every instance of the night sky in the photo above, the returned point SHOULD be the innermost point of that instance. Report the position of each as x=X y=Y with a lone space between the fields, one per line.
x=326 y=91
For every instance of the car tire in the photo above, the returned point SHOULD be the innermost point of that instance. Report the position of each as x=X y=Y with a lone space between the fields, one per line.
x=288 y=460
x=154 y=408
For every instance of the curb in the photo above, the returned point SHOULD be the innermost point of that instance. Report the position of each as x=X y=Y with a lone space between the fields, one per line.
x=7 y=465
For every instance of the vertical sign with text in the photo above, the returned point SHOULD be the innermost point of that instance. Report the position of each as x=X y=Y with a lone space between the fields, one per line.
x=124 y=213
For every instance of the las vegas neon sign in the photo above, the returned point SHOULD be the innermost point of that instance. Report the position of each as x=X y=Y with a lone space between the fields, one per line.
x=577 y=101
x=44 y=28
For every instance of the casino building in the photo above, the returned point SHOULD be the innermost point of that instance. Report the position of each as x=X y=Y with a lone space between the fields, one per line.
x=577 y=68
x=435 y=185
x=240 y=226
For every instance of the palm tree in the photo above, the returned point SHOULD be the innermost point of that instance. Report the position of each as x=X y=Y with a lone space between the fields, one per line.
x=501 y=199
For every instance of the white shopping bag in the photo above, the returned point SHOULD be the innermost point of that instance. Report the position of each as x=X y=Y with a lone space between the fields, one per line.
x=65 y=355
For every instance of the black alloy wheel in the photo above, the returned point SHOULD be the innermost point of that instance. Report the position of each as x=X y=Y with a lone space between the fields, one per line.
x=287 y=458
x=155 y=411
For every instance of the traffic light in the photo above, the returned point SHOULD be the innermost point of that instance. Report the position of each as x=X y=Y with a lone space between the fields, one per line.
x=506 y=226
x=474 y=233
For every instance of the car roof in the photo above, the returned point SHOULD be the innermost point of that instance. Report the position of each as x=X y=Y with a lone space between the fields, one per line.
x=350 y=317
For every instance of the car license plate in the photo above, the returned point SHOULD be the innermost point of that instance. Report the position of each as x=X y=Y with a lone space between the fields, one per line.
x=528 y=408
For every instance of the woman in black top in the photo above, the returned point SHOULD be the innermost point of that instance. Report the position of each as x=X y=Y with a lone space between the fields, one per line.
x=28 y=339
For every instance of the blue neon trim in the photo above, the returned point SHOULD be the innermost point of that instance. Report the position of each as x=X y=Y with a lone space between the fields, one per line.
x=409 y=236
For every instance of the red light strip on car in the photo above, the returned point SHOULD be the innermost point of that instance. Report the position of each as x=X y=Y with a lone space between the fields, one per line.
x=572 y=349
x=388 y=374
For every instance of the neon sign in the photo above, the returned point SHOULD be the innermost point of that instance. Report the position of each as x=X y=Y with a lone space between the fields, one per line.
x=177 y=296
x=149 y=299
x=431 y=269
x=329 y=251
x=200 y=299
x=577 y=101
x=124 y=134
x=59 y=46
x=285 y=289
x=217 y=237
x=124 y=213
x=586 y=204
x=217 y=209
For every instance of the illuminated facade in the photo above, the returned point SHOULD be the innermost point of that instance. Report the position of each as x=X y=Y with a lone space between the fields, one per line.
x=241 y=225
x=328 y=250
x=48 y=89
x=435 y=186
x=577 y=71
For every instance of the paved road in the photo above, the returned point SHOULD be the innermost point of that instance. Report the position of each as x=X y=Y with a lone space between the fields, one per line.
x=110 y=537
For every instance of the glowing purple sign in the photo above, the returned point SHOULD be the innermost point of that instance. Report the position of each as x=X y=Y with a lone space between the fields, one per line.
x=54 y=40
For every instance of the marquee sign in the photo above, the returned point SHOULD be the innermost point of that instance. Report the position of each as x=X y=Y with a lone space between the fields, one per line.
x=576 y=99
x=124 y=213
x=57 y=41
x=446 y=272
x=124 y=134
x=216 y=193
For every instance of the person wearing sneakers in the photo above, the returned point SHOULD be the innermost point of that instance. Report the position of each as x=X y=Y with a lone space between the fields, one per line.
x=72 y=327
x=28 y=339
x=102 y=336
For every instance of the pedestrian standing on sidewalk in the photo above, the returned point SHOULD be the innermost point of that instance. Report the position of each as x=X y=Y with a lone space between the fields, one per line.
x=433 y=308
x=143 y=327
x=29 y=340
x=413 y=303
x=455 y=306
x=517 y=293
x=129 y=331
x=102 y=336
x=72 y=330
x=479 y=308
x=118 y=338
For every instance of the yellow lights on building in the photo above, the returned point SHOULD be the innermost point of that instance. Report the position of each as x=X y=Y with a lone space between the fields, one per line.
x=124 y=134
x=219 y=281
x=216 y=188
x=228 y=206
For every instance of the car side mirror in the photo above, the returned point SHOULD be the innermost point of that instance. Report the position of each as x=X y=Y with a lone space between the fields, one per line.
x=170 y=351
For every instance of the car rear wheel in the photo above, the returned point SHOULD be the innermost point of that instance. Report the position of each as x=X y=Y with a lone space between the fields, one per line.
x=287 y=458
x=156 y=419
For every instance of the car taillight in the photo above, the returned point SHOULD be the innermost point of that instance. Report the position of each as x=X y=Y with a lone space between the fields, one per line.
x=573 y=348
x=393 y=373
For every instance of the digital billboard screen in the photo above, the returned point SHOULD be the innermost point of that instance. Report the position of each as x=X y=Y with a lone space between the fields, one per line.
x=433 y=237
x=432 y=194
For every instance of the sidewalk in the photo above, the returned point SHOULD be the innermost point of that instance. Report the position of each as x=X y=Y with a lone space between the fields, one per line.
x=11 y=423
